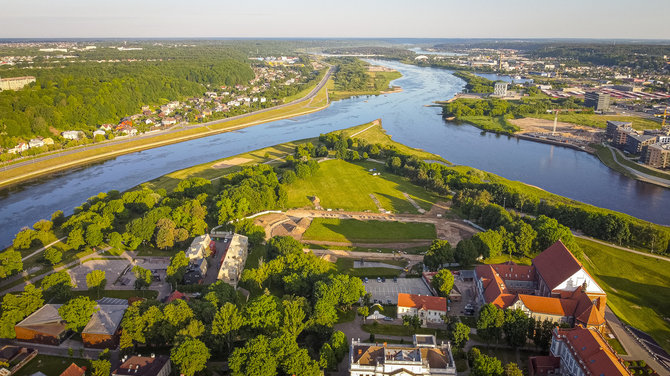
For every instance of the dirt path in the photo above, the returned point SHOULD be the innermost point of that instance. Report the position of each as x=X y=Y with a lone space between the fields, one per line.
x=379 y=204
x=411 y=201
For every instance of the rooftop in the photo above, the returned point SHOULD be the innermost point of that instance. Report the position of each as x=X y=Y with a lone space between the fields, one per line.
x=432 y=303
x=546 y=264
x=590 y=347
x=141 y=366
x=45 y=320
x=106 y=319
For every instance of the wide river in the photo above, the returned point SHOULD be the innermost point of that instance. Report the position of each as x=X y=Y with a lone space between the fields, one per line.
x=563 y=171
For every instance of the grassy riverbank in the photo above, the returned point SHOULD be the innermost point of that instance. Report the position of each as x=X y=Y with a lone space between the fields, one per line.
x=56 y=163
x=378 y=83
x=605 y=155
x=497 y=124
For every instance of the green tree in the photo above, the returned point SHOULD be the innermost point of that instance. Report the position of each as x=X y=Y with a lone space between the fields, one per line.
x=327 y=359
x=194 y=329
x=293 y=322
x=77 y=312
x=177 y=268
x=466 y=252
x=101 y=367
x=53 y=255
x=58 y=286
x=143 y=277
x=363 y=311
x=515 y=327
x=96 y=280
x=262 y=313
x=412 y=321
x=443 y=282
x=16 y=307
x=512 y=369
x=460 y=334
x=490 y=322
x=10 y=262
x=227 y=321
x=24 y=238
x=338 y=342
x=165 y=233
x=300 y=363
x=75 y=238
x=438 y=254
x=190 y=356
x=485 y=365
x=94 y=235
x=255 y=358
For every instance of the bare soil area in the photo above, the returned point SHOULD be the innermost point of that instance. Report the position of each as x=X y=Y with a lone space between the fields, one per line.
x=231 y=162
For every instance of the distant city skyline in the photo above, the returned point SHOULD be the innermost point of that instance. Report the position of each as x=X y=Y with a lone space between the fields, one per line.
x=599 y=19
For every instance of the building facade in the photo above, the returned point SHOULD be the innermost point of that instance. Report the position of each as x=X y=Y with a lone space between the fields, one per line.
x=597 y=101
x=15 y=83
x=423 y=358
x=233 y=261
x=657 y=155
x=500 y=89
x=430 y=309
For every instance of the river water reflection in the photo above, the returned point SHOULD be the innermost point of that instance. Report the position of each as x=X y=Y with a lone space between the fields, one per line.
x=404 y=115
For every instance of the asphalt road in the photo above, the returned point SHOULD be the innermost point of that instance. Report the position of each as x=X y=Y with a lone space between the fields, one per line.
x=175 y=129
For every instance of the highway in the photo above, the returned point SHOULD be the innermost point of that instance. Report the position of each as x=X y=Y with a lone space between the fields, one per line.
x=175 y=129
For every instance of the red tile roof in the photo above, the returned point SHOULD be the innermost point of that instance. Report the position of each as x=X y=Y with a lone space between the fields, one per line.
x=542 y=365
x=550 y=306
x=432 y=303
x=546 y=264
x=74 y=370
x=590 y=347
x=176 y=295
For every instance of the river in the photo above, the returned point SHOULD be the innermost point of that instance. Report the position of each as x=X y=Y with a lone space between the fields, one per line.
x=563 y=171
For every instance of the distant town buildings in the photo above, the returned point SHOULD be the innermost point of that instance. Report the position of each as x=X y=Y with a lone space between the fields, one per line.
x=430 y=309
x=597 y=101
x=15 y=83
x=423 y=358
x=555 y=287
x=578 y=352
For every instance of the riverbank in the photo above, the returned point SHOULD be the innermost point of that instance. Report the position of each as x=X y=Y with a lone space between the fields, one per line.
x=317 y=99
x=377 y=78
x=612 y=158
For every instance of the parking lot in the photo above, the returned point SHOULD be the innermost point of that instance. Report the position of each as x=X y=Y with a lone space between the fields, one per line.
x=114 y=269
x=389 y=290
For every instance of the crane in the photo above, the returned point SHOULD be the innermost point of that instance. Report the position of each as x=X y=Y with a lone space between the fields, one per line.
x=557 y=110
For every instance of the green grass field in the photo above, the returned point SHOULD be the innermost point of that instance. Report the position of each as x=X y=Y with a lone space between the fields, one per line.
x=343 y=185
x=355 y=231
x=599 y=121
x=51 y=365
x=638 y=288
x=494 y=124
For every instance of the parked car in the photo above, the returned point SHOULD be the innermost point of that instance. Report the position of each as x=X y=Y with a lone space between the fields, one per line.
x=379 y=279
x=383 y=279
x=386 y=318
x=395 y=279
x=365 y=280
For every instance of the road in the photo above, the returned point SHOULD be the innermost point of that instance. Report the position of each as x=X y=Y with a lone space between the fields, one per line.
x=640 y=175
x=148 y=144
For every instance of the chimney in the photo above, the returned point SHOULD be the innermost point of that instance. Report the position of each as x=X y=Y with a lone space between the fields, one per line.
x=360 y=351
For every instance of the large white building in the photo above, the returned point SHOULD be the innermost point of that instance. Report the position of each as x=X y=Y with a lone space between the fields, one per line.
x=425 y=357
x=199 y=247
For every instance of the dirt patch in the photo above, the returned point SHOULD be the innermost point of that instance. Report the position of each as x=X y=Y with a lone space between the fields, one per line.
x=231 y=162
x=316 y=202
x=533 y=125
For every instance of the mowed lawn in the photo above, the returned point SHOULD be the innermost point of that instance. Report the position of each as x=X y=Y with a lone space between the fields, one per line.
x=343 y=185
x=353 y=230
x=638 y=287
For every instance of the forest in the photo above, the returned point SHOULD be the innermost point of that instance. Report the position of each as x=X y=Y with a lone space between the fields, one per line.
x=83 y=95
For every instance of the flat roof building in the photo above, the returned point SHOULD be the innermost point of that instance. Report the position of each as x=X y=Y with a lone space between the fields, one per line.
x=635 y=143
x=657 y=155
x=597 y=101
x=500 y=89
x=233 y=262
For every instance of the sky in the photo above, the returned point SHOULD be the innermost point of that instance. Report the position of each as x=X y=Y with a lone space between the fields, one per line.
x=616 y=19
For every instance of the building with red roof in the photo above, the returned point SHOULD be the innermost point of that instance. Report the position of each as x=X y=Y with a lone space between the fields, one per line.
x=74 y=370
x=578 y=351
x=428 y=308
x=555 y=287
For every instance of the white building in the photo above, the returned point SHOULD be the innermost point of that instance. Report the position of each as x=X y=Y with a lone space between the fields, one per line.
x=233 y=262
x=500 y=89
x=36 y=143
x=425 y=357
x=98 y=132
x=199 y=247
x=430 y=309
x=70 y=135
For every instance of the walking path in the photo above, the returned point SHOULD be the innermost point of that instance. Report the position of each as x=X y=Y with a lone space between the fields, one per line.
x=43 y=248
x=664 y=258
x=640 y=175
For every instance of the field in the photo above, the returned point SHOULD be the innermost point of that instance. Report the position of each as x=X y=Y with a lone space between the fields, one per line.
x=51 y=365
x=343 y=185
x=346 y=266
x=600 y=121
x=496 y=124
x=637 y=287
x=355 y=231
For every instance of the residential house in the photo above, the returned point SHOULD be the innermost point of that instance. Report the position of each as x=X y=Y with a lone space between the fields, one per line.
x=129 y=132
x=168 y=121
x=233 y=261
x=196 y=271
x=36 y=143
x=199 y=247
x=21 y=147
x=99 y=132
x=554 y=287
x=44 y=326
x=106 y=127
x=578 y=352
x=144 y=366
x=71 y=135
x=74 y=370
x=430 y=309
x=422 y=358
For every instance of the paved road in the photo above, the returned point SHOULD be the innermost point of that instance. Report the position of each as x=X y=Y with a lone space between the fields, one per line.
x=148 y=137
x=638 y=174
x=631 y=345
